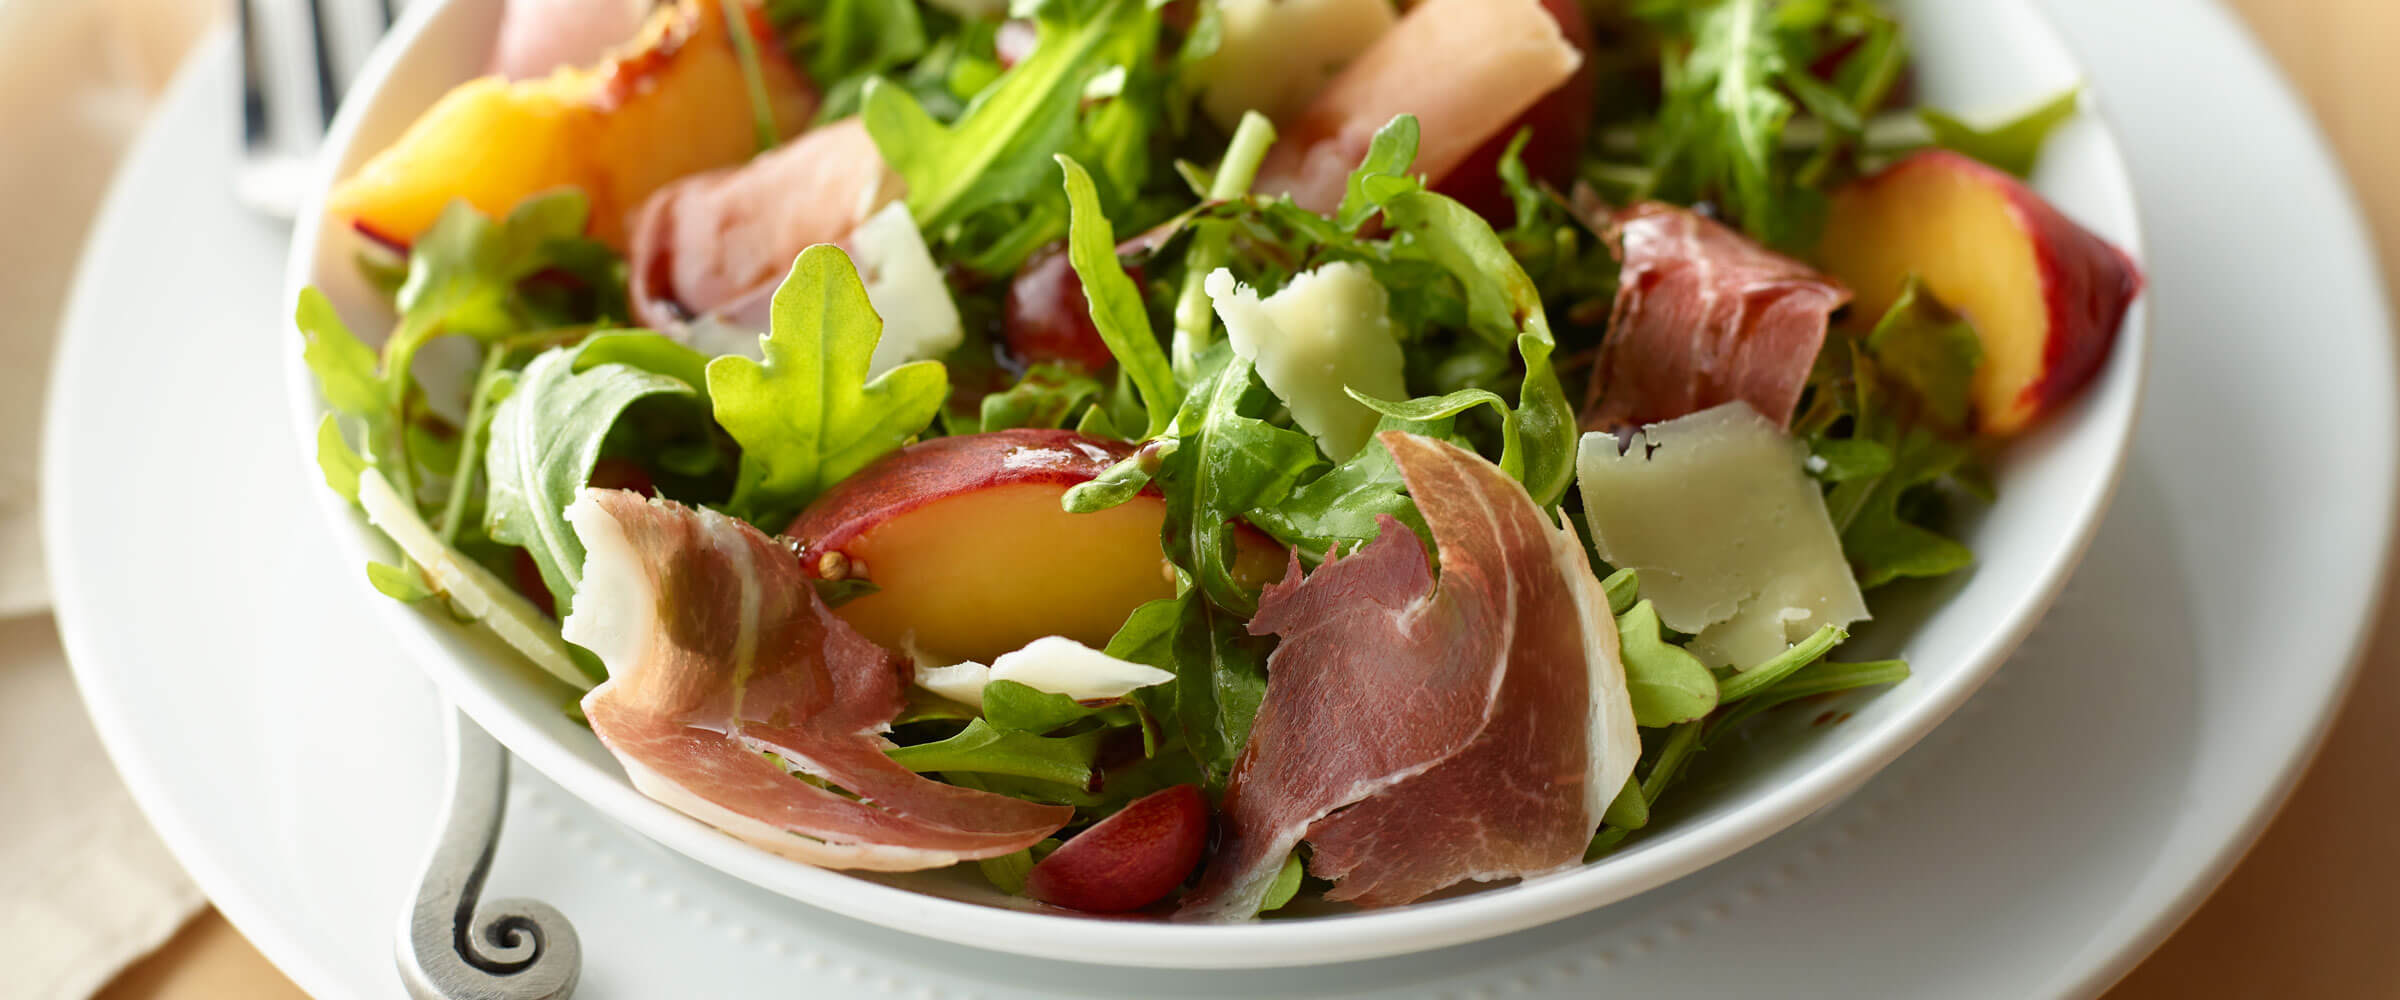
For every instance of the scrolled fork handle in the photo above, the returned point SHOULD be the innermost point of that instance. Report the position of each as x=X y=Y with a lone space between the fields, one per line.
x=452 y=945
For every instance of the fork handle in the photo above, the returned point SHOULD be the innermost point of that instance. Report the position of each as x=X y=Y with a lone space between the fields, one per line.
x=452 y=947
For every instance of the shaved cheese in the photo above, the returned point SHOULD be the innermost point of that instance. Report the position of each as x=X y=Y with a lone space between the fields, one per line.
x=1273 y=56
x=472 y=589
x=1729 y=533
x=920 y=322
x=1055 y=664
x=1329 y=329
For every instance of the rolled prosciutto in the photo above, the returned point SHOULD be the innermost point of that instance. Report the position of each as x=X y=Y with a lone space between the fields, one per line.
x=1703 y=317
x=720 y=653
x=1422 y=734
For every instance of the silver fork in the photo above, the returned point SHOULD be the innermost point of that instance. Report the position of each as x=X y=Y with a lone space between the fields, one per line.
x=298 y=56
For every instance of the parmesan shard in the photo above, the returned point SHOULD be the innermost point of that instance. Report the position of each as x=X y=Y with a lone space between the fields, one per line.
x=1328 y=331
x=1729 y=533
x=1053 y=664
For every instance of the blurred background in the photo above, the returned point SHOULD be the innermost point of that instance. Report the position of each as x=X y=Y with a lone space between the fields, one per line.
x=91 y=904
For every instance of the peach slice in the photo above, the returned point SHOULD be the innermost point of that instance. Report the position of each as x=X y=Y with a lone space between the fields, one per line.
x=2045 y=295
x=669 y=103
x=1129 y=860
x=972 y=556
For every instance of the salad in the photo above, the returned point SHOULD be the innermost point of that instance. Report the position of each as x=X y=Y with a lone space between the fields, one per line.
x=1182 y=456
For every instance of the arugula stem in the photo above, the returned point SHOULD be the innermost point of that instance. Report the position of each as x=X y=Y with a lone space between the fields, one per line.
x=1891 y=57
x=1212 y=241
x=478 y=407
x=754 y=80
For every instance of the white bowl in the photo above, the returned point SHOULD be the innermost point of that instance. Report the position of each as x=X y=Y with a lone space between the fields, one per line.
x=2054 y=485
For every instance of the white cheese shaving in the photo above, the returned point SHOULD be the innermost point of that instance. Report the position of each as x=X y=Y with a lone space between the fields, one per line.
x=1273 y=56
x=1328 y=329
x=920 y=321
x=1730 y=535
x=1055 y=664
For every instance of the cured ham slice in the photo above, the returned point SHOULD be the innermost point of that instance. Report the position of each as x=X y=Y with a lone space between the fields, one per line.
x=719 y=243
x=719 y=653
x=1465 y=68
x=1422 y=735
x=537 y=36
x=1703 y=317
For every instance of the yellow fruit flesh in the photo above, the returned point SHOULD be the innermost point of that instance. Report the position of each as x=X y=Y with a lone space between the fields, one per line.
x=662 y=108
x=1970 y=247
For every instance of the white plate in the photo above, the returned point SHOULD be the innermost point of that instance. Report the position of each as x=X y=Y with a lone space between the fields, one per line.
x=2053 y=483
x=2036 y=845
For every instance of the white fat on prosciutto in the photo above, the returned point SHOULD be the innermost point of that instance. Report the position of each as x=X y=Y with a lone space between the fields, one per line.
x=1055 y=664
x=719 y=653
x=1421 y=735
x=537 y=36
x=1728 y=531
x=1465 y=68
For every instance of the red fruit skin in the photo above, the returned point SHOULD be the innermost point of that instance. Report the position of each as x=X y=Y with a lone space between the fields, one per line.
x=1129 y=860
x=1561 y=121
x=1046 y=317
x=946 y=467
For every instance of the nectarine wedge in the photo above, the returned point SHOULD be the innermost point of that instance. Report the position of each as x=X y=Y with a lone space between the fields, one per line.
x=2045 y=295
x=971 y=555
x=669 y=103
x=1129 y=860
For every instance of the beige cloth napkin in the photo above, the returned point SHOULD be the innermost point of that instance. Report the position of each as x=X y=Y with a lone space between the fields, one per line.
x=85 y=886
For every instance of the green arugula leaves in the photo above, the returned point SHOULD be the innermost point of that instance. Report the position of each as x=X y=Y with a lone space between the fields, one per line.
x=807 y=415
x=2015 y=144
x=545 y=437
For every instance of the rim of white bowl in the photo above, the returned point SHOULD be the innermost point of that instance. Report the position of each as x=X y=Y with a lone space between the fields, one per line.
x=2115 y=397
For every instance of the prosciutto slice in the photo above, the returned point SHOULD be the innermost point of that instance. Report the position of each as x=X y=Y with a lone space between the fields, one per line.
x=718 y=243
x=537 y=36
x=719 y=652
x=1703 y=317
x=1465 y=68
x=1422 y=735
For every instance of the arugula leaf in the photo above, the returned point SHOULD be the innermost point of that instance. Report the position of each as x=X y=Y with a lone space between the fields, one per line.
x=1116 y=305
x=1225 y=466
x=1008 y=872
x=1668 y=685
x=340 y=463
x=1629 y=810
x=1432 y=408
x=1890 y=460
x=982 y=748
x=806 y=417
x=1929 y=349
x=1340 y=508
x=2014 y=145
x=1010 y=705
x=545 y=438
x=1220 y=679
x=999 y=149
x=845 y=43
x=1384 y=172
x=343 y=365
x=1820 y=677
x=646 y=351
x=1285 y=886
x=1045 y=397
x=1623 y=587
x=1721 y=121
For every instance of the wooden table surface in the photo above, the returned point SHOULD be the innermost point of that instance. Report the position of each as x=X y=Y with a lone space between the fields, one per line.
x=2306 y=914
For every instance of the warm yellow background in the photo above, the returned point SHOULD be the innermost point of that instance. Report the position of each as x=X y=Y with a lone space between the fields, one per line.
x=2309 y=914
